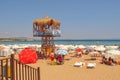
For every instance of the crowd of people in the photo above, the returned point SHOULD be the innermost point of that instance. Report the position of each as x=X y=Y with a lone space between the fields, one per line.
x=109 y=61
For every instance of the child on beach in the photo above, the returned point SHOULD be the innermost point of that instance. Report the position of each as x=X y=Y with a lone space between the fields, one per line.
x=52 y=58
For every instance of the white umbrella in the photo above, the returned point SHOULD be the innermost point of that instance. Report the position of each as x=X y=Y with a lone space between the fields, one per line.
x=112 y=47
x=71 y=47
x=100 y=48
x=107 y=55
x=81 y=46
x=115 y=52
x=89 y=48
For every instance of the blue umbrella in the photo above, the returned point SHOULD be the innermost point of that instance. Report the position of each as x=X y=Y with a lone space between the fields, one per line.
x=61 y=51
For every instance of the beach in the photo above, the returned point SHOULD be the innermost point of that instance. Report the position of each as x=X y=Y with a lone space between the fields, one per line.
x=68 y=72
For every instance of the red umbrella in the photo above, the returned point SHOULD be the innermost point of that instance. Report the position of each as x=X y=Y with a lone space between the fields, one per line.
x=78 y=50
x=28 y=55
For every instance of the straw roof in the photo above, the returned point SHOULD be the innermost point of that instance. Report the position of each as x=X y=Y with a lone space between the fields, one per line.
x=47 y=21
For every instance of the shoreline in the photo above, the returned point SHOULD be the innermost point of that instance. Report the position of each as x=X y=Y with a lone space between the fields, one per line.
x=65 y=42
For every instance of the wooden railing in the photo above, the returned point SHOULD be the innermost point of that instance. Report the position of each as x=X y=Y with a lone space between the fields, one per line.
x=12 y=69
x=4 y=68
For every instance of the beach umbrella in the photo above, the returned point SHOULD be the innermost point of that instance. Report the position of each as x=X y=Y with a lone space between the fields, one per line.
x=115 y=52
x=57 y=47
x=64 y=47
x=107 y=55
x=112 y=53
x=27 y=56
x=89 y=48
x=111 y=47
x=100 y=48
x=71 y=47
x=47 y=21
x=2 y=47
x=55 y=24
x=62 y=51
x=78 y=49
x=81 y=46
x=46 y=26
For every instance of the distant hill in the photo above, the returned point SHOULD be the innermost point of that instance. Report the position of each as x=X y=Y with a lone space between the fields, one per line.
x=16 y=39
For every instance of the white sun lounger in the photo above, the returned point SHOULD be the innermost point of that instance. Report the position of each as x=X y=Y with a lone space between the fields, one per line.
x=78 y=64
x=91 y=65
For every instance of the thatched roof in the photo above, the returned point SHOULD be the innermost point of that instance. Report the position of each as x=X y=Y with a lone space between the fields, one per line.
x=47 y=21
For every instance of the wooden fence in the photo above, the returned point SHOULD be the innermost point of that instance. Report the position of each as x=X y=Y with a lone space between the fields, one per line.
x=12 y=69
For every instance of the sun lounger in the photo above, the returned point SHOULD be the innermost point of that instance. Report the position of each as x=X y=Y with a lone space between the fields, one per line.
x=78 y=64
x=91 y=65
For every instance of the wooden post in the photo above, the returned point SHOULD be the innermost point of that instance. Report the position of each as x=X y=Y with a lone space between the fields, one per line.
x=7 y=69
x=16 y=63
x=2 y=70
x=38 y=70
x=12 y=67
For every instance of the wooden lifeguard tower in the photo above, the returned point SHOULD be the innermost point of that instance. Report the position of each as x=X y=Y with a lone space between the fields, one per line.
x=46 y=28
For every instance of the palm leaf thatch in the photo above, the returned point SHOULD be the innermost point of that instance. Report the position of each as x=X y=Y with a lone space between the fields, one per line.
x=46 y=22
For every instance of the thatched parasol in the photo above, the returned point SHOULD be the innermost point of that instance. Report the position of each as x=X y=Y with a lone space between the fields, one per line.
x=46 y=22
x=55 y=23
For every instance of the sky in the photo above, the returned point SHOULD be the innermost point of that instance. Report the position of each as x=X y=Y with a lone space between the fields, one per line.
x=80 y=19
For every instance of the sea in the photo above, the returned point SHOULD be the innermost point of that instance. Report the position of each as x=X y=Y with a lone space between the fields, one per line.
x=67 y=42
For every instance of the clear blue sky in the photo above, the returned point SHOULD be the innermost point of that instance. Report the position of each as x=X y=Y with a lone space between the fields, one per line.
x=80 y=19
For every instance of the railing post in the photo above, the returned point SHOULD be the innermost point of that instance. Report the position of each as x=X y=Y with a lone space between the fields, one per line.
x=1 y=76
x=38 y=70
x=12 y=67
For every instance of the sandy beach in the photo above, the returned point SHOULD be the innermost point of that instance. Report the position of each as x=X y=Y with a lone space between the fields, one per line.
x=68 y=72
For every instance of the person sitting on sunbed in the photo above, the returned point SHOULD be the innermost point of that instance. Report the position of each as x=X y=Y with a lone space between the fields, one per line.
x=104 y=60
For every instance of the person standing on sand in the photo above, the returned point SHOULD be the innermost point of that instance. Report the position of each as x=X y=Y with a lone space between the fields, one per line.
x=60 y=59
x=52 y=58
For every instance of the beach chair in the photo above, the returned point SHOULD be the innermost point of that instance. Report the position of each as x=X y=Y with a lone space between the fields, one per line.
x=78 y=64
x=91 y=65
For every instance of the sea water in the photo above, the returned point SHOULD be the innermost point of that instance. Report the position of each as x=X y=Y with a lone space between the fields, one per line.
x=66 y=42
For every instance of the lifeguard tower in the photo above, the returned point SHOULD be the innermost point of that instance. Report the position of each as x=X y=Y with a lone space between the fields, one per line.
x=46 y=28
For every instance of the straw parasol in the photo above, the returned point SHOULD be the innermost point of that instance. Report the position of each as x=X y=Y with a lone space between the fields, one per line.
x=55 y=23
x=47 y=21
